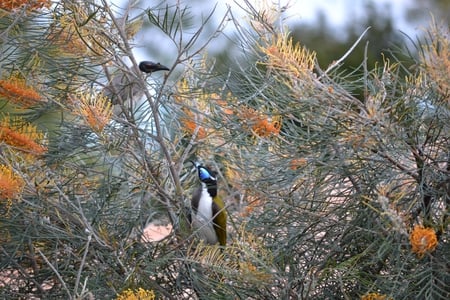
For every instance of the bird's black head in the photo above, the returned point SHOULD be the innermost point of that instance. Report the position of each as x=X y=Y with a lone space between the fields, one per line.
x=149 y=67
x=205 y=175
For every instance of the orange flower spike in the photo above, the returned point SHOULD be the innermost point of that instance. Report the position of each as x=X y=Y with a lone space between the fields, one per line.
x=224 y=107
x=22 y=136
x=96 y=110
x=374 y=296
x=261 y=125
x=10 y=184
x=190 y=125
x=16 y=91
x=290 y=58
x=265 y=127
x=423 y=240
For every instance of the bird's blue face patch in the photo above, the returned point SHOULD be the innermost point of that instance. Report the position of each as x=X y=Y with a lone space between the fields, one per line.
x=205 y=174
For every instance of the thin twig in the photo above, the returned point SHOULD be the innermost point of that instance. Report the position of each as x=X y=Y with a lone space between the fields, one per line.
x=83 y=261
x=337 y=62
x=56 y=273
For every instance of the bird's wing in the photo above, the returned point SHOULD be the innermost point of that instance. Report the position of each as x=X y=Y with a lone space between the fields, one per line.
x=220 y=217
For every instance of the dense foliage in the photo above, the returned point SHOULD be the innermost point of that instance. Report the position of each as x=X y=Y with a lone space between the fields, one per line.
x=330 y=195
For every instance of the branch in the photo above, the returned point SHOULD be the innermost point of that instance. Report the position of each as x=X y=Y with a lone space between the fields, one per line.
x=337 y=62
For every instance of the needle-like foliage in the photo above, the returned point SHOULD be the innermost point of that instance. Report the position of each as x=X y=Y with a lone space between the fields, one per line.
x=329 y=196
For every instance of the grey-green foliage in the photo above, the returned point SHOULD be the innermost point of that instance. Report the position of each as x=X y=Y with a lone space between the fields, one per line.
x=339 y=223
x=320 y=209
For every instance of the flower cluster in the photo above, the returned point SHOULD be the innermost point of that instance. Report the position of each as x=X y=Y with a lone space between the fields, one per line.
x=11 y=184
x=436 y=59
x=260 y=124
x=289 y=58
x=21 y=136
x=374 y=296
x=191 y=120
x=139 y=294
x=74 y=39
x=423 y=240
x=96 y=110
x=17 y=91
x=191 y=124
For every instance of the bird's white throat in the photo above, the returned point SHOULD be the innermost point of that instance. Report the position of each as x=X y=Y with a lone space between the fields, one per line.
x=205 y=204
x=202 y=219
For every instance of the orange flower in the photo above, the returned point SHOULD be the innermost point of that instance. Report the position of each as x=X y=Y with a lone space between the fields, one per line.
x=224 y=107
x=21 y=135
x=374 y=296
x=29 y=4
x=267 y=127
x=16 y=91
x=67 y=40
x=423 y=240
x=297 y=163
x=96 y=110
x=261 y=125
x=191 y=125
x=10 y=184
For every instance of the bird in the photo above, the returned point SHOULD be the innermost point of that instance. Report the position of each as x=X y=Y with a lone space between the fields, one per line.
x=150 y=67
x=123 y=87
x=208 y=217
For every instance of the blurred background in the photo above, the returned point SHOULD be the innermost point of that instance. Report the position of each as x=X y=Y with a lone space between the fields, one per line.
x=328 y=27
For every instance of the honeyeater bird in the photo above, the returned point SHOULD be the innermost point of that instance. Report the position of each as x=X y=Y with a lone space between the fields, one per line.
x=150 y=67
x=122 y=85
x=208 y=217
x=124 y=90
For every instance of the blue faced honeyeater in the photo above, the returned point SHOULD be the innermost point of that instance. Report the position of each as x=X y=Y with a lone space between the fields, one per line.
x=208 y=218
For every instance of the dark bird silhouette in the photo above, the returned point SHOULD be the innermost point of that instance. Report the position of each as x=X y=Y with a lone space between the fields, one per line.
x=150 y=67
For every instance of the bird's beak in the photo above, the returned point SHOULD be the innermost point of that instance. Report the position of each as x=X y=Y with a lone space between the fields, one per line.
x=149 y=67
x=196 y=164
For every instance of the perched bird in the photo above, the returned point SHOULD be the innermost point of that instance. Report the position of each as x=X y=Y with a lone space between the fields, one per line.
x=150 y=67
x=208 y=218
x=123 y=87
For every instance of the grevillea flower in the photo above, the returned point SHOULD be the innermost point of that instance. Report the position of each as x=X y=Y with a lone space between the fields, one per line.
x=191 y=125
x=17 y=91
x=289 y=58
x=78 y=32
x=21 y=136
x=260 y=124
x=10 y=183
x=225 y=109
x=423 y=240
x=436 y=59
x=139 y=294
x=374 y=296
x=96 y=110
